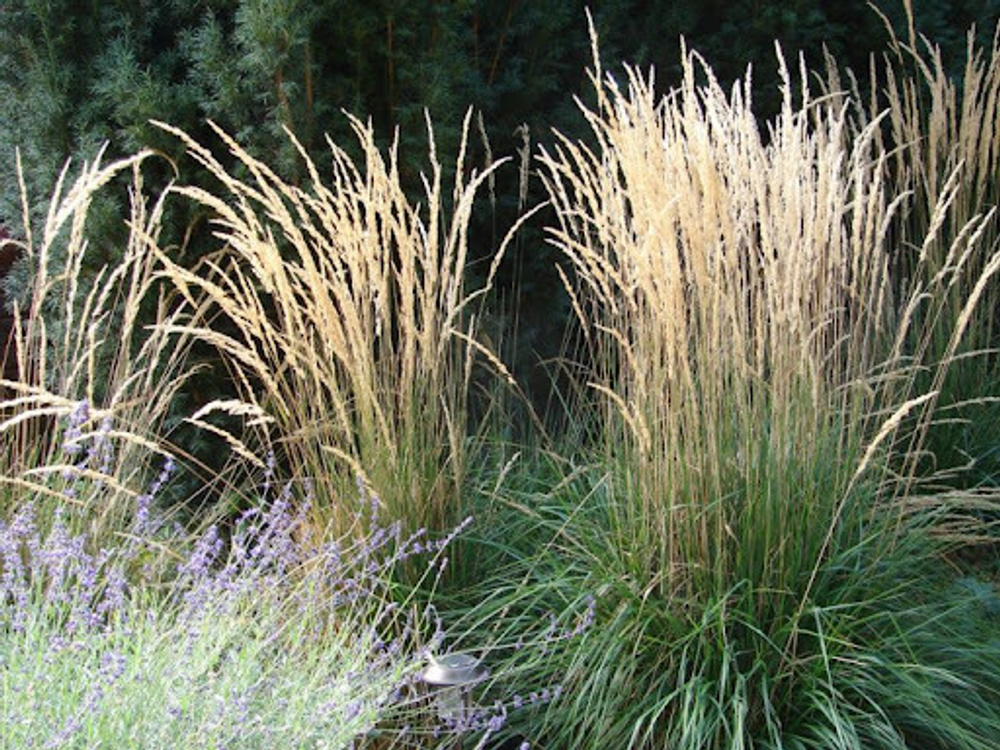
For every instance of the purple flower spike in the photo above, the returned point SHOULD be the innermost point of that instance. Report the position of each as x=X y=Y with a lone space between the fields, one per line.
x=77 y=418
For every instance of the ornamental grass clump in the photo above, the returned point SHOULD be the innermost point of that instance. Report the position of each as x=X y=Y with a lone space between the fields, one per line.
x=342 y=309
x=949 y=155
x=91 y=350
x=733 y=289
x=760 y=407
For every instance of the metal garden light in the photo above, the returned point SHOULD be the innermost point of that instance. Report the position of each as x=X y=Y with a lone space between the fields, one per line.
x=450 y=677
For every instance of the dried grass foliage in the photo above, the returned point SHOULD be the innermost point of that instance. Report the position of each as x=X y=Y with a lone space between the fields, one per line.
x=347 y=320
x=744 y=293
x=736 y=290
x=100 y=339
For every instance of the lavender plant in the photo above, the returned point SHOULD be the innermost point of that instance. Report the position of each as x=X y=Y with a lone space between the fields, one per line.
x=259 y=632
x=255 y=637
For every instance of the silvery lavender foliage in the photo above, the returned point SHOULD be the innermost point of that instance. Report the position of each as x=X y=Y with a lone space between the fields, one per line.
x=258 y=594
x=56 y=569
x=254 y=616
x=56 y=598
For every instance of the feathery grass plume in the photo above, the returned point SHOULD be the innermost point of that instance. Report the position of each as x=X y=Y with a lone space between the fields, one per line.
x=944 y=141
x=93 y=352
x=348 y=322
x=759 y=404
x=734 y=287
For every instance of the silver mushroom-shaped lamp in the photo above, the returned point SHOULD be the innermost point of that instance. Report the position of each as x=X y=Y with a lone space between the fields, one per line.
x=450 y=678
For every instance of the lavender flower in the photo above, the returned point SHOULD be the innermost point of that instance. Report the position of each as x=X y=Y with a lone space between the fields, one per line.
x=143 y=505
x=198 y=565
x=142 y=524
x=196 y=574
x=114 y=593
x=101 y=453
x=58 y=555
x=74 y=430
x=270 y=469
x=14 y=585
x=87 y=571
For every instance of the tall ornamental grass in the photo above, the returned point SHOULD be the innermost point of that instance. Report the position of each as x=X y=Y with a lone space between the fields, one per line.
x=342 y=309
x=93 y=351
x=119 y=627
x=944 y=139
x=758 y=408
